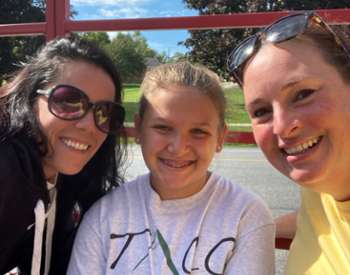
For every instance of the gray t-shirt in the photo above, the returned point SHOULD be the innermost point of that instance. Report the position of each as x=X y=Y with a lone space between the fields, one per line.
x=223 y=229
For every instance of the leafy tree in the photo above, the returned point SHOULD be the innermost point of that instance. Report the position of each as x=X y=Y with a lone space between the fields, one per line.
x=163 y=57
x=141 y=45
x=13 y=50
x=101 y=38
x=129 y=52
x=211 y=47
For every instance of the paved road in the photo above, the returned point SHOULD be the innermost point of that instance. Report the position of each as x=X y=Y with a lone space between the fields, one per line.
x=248 y=167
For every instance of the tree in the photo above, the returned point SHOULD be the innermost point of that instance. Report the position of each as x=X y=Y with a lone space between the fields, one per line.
x=14 y=50
x=129 y=52
x=100 y=38
x=211 y=47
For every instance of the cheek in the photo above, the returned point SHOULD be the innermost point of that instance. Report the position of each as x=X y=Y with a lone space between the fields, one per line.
x=148 y=137
x=46 y=120
x=263 y=138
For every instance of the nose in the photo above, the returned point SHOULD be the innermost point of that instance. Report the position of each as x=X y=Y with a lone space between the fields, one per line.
x=286 y=123
x=87 y=122
x=178 y=144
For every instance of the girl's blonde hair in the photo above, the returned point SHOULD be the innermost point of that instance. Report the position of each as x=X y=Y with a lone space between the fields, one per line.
x=187 y=75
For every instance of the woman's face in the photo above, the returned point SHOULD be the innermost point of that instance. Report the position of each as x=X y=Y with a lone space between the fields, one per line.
x=73 y=143
x=300 y=111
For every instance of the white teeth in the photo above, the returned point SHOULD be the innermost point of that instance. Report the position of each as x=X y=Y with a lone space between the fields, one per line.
x=175 y=164
x=302 y=147
x=75 y=145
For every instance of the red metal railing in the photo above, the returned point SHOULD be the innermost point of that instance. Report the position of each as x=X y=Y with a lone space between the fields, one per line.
x=58 y=23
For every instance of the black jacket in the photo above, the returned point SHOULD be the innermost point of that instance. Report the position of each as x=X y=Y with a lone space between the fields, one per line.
x=22 y=184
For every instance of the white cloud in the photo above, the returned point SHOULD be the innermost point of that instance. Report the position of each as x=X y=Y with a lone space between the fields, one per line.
x=108 y=2
x=132 y=12
x=170 y=13
x=111 y=35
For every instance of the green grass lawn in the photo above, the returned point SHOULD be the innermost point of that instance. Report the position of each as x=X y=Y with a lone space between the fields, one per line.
x=235 y=109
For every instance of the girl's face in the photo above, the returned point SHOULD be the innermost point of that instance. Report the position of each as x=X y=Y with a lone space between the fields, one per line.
x=73 y=143
x=179 y=135
x=300 y=111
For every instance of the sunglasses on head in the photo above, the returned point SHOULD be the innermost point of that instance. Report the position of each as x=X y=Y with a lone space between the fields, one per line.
x=70 y=103
x=284 y=29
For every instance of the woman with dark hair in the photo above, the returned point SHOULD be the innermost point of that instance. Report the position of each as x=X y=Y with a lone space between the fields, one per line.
x=61 y=148
x=295 y=79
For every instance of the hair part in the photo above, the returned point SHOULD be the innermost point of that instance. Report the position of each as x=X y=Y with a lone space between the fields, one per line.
x=186 y=75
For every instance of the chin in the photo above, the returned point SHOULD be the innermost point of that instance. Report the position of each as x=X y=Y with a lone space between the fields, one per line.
x=306 y=179
x=71 y=170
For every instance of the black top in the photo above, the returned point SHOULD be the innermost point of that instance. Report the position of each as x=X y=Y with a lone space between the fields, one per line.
x=22 y=184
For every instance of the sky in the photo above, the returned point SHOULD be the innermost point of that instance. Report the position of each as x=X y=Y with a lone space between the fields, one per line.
x=165 y=41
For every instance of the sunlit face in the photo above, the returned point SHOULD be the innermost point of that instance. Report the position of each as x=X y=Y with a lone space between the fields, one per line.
x=179 y=135
x=73 y=143
x=300 y=111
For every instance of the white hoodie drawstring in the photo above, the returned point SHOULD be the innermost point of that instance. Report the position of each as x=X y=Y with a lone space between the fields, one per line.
x=39 y=211
x=40 y=218
x=49 y=232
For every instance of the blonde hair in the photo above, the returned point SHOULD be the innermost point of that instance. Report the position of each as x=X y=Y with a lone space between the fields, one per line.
x=187 y=75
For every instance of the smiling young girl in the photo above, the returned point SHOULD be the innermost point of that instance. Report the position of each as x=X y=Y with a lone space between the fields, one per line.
x=180 y=218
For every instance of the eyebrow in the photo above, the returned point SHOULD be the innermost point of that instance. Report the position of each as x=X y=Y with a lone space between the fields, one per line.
x=293 y=83
x=158 y=119
x=288 y=86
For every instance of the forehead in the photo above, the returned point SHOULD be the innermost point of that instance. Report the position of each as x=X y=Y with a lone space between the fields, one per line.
x=275 y=67
x=91 y=79
x=181 y=103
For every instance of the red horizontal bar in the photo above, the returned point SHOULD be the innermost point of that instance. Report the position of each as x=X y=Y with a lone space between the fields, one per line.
x=22 y=29
x=240 y=137
x=232 y=137
x=238 y=20
x=130 y=131
x=282 y=243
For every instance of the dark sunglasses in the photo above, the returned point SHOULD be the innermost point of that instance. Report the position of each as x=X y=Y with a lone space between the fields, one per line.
x=69 y=103
x=284 y=29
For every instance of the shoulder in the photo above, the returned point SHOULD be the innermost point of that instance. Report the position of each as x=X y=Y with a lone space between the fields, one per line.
x=233 y=192
x=311 y=199
x=121 y=200
x=19 y=156
x=21 y=185
x=130 y=190
x=240 y=202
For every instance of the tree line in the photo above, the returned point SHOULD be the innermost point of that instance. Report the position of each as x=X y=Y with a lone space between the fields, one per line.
x=131 y=52
x=211 y=47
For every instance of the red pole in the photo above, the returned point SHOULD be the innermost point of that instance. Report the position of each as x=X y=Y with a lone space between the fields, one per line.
x=62 y=10
x=57 y=15
x=50 y=20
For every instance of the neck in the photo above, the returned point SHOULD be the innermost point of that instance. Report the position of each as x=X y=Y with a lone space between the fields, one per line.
x=50 y=173
x=52 y=180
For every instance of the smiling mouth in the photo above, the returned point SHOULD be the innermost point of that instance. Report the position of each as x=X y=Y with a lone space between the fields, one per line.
x=177 y=164
x=303 y=147
x=75 y=145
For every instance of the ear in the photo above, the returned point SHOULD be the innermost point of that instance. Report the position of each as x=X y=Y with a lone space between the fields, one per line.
x=221 y=138
x=138 y=125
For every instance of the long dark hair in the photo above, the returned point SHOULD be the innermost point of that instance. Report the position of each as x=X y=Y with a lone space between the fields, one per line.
x=17 y=117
